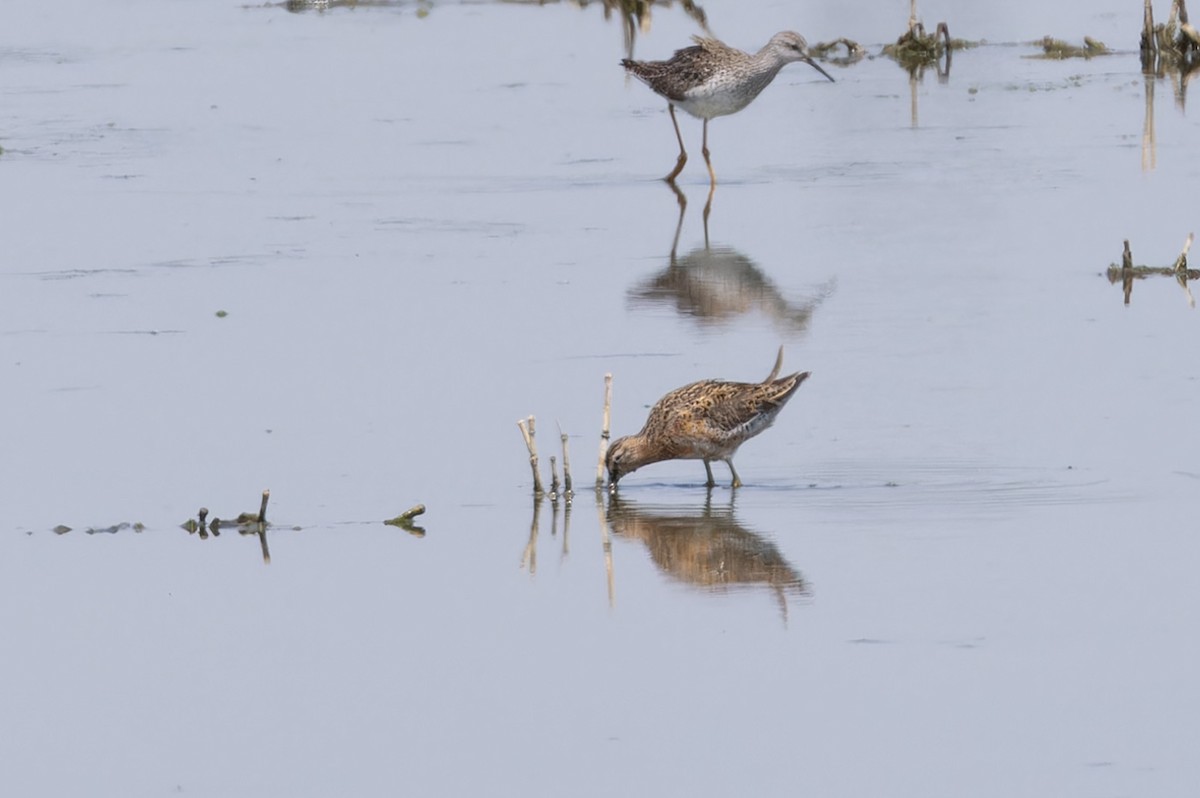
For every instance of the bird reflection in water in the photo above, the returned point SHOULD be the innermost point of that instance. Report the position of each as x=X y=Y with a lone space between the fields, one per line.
x=715 y=284
x=708 y=548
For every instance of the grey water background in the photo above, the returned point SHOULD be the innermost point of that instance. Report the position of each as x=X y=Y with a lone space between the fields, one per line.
x=963 y=561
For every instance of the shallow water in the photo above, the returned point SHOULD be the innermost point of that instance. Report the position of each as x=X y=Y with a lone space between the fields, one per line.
x=961 y=561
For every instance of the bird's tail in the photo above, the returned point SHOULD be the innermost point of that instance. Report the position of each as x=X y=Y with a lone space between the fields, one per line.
x=787 y=386
x=778 y=366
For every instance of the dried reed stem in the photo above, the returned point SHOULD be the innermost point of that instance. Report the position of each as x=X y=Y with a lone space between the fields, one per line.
x=604 y=431
x=1149 y=41
x=527 y=432
x=566 y=468
x=553 y=479
x=1181 y=261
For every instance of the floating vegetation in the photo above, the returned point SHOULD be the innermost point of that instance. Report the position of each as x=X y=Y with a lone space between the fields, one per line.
x=202 y=524
x=113 y=529
x=1057 y=49
x=925 y=48
x=639 y=10
x=635 y=16
x=300 y=6
x=220 y=314
x=825 y=51
x=249 y=523
x=917 y=49
x=1127 y=272
x=405 y=520
x=1170 y=46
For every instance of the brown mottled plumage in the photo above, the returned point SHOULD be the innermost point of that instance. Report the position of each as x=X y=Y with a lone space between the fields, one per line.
x=713 y=79
x=707 y=420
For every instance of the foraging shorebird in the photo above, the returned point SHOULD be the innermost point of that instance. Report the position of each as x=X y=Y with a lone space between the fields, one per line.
x=707 y=420
x=713 y=79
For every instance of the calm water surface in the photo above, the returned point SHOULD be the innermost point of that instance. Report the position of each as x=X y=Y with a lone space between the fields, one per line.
x=962 y=564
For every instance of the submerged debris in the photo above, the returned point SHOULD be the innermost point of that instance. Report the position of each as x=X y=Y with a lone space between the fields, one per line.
x=256 y=518
x=1170 y=46
x=1127 y=272
x=1057 y=49
x=245 y=523
x=405 y=520
x=916 y=49
x=855 y=52
x=635 y=16
x=112 y=529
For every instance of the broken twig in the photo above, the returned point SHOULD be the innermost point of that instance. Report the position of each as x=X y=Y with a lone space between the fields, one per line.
x=567 y=492
x=527 y=432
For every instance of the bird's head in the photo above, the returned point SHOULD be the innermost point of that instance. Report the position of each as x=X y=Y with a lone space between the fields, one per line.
x=619 y=461
x=792 y=47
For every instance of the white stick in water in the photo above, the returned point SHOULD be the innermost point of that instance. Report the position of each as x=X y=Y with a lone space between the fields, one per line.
x=604 y=433
x=528 y=434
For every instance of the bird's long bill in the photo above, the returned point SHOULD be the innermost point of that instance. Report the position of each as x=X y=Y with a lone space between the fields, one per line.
x=817 y=67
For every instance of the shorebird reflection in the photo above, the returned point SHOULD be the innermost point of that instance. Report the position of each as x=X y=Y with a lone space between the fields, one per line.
x=716 y=284
x=707 y=548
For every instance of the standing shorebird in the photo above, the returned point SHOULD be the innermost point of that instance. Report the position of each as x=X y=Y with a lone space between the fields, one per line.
x=707 y=420
x=713 y=79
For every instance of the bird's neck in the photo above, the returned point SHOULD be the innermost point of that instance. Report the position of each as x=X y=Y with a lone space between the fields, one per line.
x=764 y=66
x=640 y=452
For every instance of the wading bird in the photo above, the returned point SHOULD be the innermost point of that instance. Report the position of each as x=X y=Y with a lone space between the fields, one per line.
x=713 y=79
x=707 y=420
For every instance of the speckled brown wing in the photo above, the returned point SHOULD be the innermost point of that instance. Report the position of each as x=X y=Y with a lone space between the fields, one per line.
x=740 y=411
x=686 y=69
x=711 y=418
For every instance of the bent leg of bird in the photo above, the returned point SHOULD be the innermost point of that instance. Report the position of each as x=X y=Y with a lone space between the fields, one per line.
x=708 y=470
x=682 y=152
x=737 y=481
x=712 y=188
x=704 y=149
x=682 y=199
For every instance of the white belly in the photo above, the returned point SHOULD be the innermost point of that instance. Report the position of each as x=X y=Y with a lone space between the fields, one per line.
x=721 y=98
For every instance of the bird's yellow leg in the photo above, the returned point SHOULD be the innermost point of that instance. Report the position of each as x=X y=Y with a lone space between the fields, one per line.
x=737 y=481
x=708 y=209
x=708 y=470
x=704 y=149
x=682 y=152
